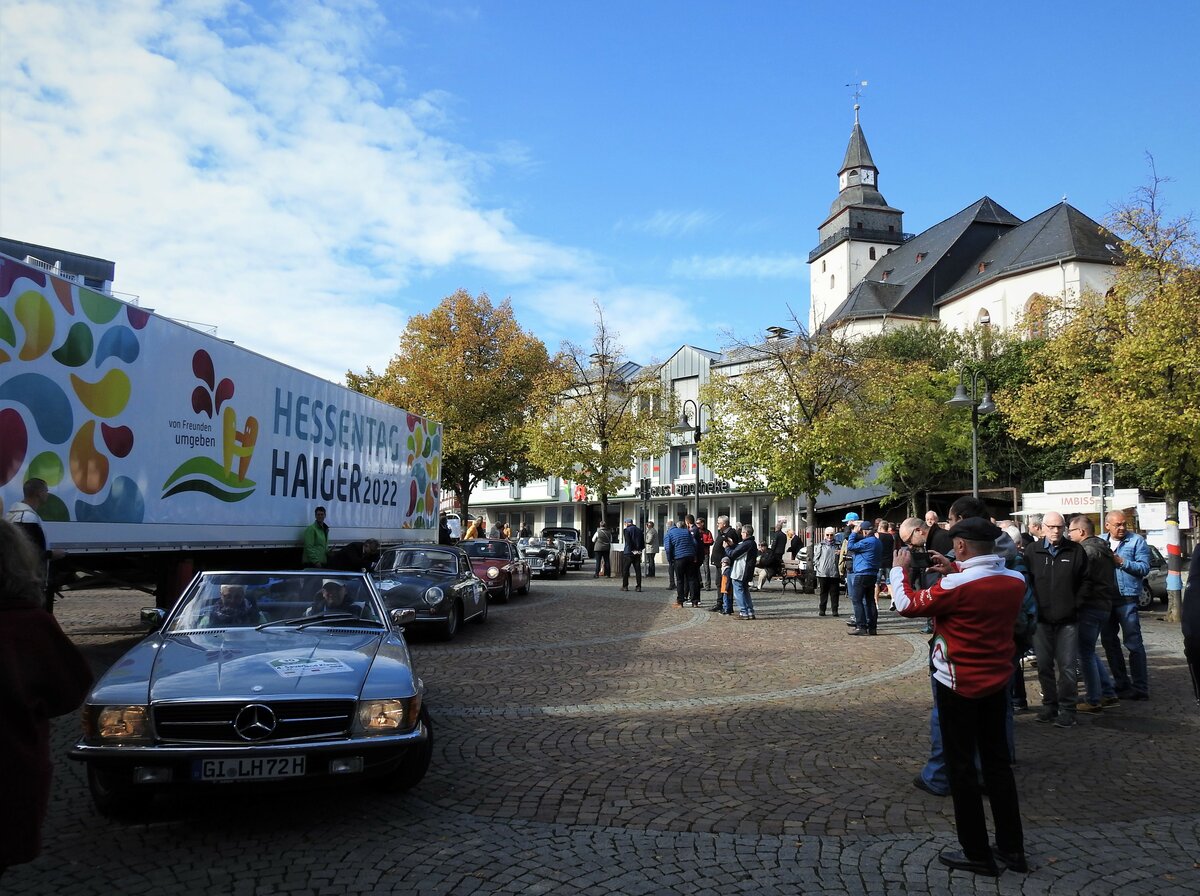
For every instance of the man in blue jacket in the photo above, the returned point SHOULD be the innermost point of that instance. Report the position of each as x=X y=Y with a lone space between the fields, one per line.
x=863 y=547
x=1133 y=565
x=680 y=547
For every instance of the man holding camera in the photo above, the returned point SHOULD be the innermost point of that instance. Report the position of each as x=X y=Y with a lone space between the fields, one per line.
x=973 y=606
x=863 y=547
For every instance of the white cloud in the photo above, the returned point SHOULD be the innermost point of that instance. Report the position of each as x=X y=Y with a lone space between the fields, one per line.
x=670 y=223
x=245 y=173
x=760 y=267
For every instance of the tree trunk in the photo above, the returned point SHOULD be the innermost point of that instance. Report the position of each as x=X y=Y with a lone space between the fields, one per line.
x=1174 y=559
x=810 y=523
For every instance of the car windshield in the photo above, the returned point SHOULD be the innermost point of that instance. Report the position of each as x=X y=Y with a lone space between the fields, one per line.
x=565 y=535
x=233 y=600
x=538 y=542
x=487 y=550
x=430 y=559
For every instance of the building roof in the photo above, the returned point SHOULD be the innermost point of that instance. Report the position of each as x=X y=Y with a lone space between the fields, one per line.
x=908 y=280
x=70 y=262
x=858 y=154
x=1059 y=233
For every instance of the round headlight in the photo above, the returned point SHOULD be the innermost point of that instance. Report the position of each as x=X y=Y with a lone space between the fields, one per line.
x=433 y=596
x=492 y=572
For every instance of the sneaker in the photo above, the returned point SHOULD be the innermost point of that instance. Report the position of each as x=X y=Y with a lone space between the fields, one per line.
x=919 y=783
x=1110 y=701
x=859 y=631
x=1065 y=720
x=1047 y=714
x=1088 y=707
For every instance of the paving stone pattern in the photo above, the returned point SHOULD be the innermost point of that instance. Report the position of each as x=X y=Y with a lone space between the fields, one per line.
x=595 y=741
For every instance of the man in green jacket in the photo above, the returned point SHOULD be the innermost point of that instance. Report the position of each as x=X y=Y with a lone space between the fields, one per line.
x=316 y=542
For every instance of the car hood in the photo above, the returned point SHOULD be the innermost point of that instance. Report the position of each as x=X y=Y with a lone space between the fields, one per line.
x=408 y=589
x=248 y=663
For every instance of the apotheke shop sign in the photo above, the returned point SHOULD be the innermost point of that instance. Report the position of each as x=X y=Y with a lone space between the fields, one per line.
x=685 y=489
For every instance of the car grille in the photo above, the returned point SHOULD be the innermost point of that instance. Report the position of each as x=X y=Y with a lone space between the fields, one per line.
x=215 y=723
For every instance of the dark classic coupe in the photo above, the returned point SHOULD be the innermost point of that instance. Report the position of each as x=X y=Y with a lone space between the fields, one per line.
x=546 y=556
x=577 y=552
x=499 y=565
x=262 y=678
x=435 y=580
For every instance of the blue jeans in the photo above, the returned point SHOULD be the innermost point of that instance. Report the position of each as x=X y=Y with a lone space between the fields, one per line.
x=1096 y=680
x=862 y=597
x=741 y=598
x=1125 y=618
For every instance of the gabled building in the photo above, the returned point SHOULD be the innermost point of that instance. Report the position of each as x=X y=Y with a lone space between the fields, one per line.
x=980 y=264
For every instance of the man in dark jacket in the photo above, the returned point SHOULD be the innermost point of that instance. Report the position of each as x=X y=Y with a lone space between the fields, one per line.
x=633 y=543
x=1057 y=570
x=1100 y=595
x=680 y=548
x=725 y=532
x=1191 y=622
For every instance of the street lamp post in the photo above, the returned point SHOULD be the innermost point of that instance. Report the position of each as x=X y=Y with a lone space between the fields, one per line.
x=697 y=432
x=985 y=406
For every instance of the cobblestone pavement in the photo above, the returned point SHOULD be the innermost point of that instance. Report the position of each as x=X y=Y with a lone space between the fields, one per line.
x=594 y=741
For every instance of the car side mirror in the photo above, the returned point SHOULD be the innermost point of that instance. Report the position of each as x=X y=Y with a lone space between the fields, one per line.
x=152 y=617
x=403 y=616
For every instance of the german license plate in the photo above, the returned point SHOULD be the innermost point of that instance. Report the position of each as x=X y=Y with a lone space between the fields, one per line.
x=258 y=769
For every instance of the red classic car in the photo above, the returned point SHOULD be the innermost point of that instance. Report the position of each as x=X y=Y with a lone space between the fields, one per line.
x=499 y=565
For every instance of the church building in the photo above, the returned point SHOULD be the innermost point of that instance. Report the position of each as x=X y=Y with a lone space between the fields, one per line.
x=980 y=265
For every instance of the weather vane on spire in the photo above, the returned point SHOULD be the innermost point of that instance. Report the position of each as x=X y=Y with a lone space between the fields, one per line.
x=858 y=92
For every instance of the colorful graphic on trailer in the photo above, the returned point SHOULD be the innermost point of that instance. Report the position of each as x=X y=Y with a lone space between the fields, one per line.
x=132 y=418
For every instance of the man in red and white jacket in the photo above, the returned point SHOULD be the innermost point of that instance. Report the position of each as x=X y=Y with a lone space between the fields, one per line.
x=974 y=606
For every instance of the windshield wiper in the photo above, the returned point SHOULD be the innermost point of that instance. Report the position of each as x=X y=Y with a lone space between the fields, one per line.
x=340 y=617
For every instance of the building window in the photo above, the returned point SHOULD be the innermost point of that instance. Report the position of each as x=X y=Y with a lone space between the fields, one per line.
x=920 y=257
x=887 y=273
x=891 y=229
x=822 y=265
x=872 y=253
x=860 y=225
x=568 y=516
x=685 y=462
x=831 y=281
x=1037 y=309
x=889 y=252
x=551 y=516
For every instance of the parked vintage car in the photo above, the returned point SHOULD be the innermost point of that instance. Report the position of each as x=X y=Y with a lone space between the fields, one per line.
x=499 y=565
x=258 y=678
x=546 y=556
x=435 y=580
x=1154 y=586
x=577 y=552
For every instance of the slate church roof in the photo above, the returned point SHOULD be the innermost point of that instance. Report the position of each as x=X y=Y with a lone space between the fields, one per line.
x=982 y=243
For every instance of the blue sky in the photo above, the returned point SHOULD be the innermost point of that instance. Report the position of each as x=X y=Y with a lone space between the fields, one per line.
x=306 y=175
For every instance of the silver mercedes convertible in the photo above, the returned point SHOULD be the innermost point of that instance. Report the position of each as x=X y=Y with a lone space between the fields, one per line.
x=259 y=678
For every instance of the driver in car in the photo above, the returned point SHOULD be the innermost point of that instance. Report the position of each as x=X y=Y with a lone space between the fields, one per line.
x=233 y=608
x=332 y=599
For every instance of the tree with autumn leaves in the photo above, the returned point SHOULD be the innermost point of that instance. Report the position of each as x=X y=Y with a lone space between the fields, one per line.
x=595 y=413
x=468 y=365
x=1118 y=376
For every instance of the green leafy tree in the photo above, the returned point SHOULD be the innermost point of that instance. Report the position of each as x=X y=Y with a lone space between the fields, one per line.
x=801 y=414
x=469 y=365
x=1119 y=376
x=597 y=413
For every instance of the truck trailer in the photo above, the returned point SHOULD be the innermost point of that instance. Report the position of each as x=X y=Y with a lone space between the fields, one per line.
x=167 y=449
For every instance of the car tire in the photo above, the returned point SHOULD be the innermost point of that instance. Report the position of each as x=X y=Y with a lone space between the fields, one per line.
x=528 y=582
x=450 y=626
x=115 y=795
x=481 y=616
x=506 y=592
x=415 y=764
x=1146 y=598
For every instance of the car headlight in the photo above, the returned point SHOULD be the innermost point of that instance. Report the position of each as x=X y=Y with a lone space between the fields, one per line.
x=388 y=716
x=117 y=723
x=492 y=572
x=433 y=596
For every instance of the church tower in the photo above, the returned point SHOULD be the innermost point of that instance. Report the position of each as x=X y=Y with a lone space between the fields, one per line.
x=861 y=229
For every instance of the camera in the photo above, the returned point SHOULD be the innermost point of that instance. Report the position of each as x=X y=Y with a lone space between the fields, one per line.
x=919 y=559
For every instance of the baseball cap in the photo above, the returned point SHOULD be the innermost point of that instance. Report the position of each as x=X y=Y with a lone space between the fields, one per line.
x=866 y=526
x=850 y=517
x=829 y=530
x=629 y=519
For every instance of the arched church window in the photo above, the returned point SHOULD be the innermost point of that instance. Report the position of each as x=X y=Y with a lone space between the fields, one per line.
x=872 y=253
x=822 y=265
x=1037 y=312
x=831 y=281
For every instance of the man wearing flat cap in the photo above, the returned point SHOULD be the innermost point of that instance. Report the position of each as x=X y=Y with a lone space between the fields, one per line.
x=863 y=548
x=974 y=606
x=631 y=553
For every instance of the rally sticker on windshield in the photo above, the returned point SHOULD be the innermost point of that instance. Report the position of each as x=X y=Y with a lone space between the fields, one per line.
x=294 y=668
